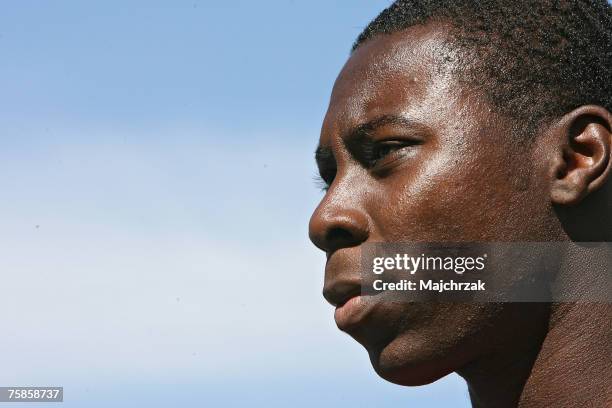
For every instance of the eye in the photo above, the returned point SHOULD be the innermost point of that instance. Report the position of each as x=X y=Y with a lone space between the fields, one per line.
x=325 y=178
x=326 y=163
x=320 y=183
x=383 y=149
x=382 y=152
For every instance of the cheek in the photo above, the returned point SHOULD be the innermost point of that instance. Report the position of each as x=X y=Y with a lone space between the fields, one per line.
x=446 y=198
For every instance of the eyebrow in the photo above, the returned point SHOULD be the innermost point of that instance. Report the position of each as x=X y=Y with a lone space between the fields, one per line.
x=381 y=121
x=324 y=154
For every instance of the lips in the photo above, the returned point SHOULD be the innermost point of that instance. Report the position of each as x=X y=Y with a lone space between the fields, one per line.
x=351 y=313
x=339 y=291
x=351 y=307
x=342 y=288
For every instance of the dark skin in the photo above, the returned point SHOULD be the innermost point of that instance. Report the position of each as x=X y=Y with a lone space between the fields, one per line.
x=410 y=154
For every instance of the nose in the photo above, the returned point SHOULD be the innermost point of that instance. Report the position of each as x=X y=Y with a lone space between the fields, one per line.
x=334 y=226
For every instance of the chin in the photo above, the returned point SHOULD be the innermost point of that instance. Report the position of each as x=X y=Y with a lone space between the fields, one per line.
x=411 y=365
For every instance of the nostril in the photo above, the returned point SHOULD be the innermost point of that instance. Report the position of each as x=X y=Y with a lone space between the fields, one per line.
x=339 y=237
x=330 y=231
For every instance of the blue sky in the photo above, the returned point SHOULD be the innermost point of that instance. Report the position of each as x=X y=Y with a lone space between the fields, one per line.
x=157 y=179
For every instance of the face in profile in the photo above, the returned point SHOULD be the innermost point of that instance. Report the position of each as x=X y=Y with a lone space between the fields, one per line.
x=410 y=154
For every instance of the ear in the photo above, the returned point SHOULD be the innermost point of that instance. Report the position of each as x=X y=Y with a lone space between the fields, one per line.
x=583 y=157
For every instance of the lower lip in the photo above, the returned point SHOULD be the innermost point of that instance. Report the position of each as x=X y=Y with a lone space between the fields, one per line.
x=350 y=313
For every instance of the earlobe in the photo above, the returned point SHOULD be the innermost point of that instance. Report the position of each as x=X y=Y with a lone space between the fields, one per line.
x=584 y=154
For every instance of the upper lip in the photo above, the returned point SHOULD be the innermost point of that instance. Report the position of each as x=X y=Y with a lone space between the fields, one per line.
x=342 y=276
x=338 y=292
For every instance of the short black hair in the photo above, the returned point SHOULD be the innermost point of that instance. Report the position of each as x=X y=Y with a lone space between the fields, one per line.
x=535 y=60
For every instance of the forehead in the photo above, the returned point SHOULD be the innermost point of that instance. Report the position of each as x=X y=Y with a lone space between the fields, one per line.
x=399 y=73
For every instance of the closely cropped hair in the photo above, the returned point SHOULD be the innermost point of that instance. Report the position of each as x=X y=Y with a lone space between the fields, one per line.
x=535 y=60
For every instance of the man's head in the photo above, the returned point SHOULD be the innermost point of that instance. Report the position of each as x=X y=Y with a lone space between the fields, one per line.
x=461 y=121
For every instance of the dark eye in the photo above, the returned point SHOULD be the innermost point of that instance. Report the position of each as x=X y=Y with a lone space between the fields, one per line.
x=325 y=177
x=326 y=163
x=383 y=149
x=320 y=183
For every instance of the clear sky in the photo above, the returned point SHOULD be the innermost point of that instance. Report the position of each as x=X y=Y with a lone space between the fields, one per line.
x=156 y=181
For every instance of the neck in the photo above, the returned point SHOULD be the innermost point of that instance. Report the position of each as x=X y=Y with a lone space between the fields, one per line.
x=565 y=363
x=569 y=367
x=573 y=365
x=498 y=378
x=498 y=381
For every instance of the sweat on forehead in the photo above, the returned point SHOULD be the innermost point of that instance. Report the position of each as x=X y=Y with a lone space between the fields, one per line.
x=390 y=74
x=537 y=59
